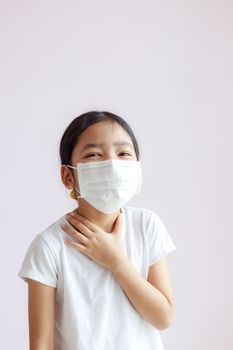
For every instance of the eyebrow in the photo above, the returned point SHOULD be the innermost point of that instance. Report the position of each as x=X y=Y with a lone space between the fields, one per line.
x=98 y=145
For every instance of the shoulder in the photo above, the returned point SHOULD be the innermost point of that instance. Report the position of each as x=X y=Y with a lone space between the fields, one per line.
x=146 y=220
x=51 y=237
x=42 y=259
x=141 y=214
x=141 y=220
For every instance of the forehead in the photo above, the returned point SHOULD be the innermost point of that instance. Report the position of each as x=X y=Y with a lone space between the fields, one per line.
x=104 y=132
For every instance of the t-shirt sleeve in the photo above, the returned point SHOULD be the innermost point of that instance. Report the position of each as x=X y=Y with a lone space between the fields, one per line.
x=39 y=263
x=160 y=241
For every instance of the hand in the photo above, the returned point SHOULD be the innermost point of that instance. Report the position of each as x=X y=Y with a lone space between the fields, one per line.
x=104 y=248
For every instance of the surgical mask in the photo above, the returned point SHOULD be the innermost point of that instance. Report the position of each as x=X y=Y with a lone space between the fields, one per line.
x=108 y=184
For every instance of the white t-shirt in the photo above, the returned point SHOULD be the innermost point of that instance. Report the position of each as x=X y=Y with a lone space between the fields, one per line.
x=92 y=309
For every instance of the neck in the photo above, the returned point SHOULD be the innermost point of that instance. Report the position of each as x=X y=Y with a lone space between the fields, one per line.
x=105 y=221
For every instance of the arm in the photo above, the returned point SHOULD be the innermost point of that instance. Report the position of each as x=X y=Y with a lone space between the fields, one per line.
x=41 y=315
x=152 y=298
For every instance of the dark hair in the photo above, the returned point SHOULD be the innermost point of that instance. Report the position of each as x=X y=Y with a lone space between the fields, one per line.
x=72 y=133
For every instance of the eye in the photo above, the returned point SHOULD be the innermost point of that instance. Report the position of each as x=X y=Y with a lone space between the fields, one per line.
x=92 y=154
x=125 y=153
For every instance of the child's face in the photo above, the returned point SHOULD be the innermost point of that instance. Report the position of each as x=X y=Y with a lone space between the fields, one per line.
x=106 y=134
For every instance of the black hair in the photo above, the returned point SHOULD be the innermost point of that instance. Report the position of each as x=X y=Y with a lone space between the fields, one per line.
x=72 y=133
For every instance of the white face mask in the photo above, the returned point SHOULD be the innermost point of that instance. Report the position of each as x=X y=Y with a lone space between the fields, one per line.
x=109 y=184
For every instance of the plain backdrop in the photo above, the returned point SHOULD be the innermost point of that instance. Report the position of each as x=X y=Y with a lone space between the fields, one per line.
x=166 y=68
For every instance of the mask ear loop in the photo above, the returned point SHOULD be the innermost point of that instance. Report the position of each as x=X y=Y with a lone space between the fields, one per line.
x=80 y=196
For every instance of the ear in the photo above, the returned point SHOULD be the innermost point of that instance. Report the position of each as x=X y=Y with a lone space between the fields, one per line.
x=67 y=177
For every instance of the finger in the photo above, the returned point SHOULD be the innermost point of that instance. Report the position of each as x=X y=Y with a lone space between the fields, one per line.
x=71 y=219
x=76 y=234
x=77 y=224
x=90 y=225
x=75 y=245
x=118 y=224
x=85 y=231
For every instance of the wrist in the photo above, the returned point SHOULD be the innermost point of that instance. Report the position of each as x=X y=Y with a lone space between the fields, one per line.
x=118 y=263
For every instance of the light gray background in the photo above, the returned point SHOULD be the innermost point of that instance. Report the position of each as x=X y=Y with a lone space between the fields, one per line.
x=164 y=66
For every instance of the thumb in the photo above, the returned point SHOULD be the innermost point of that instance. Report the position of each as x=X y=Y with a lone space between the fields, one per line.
x=118 y=224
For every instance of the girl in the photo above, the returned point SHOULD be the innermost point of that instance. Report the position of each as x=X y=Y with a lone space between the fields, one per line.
x=98 y=277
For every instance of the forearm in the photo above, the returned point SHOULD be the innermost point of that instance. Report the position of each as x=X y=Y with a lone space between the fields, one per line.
x=41 y=347
x=150 y=303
